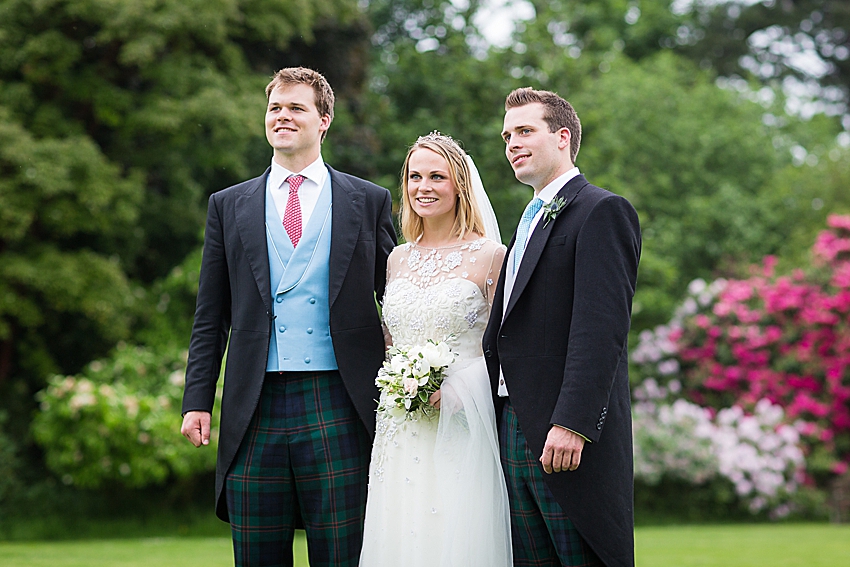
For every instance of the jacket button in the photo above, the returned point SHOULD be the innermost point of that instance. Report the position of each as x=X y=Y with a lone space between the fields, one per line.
x=309 y=330
x=279 y=299
x=312 y=300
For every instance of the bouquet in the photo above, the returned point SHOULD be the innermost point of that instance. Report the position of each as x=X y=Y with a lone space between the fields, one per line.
x=410 y=375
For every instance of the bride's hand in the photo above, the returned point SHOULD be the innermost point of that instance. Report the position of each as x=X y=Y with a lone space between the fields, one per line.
x=434 y=400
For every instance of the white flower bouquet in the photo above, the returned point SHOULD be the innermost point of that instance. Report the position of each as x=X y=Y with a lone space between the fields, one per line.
x=410 y=375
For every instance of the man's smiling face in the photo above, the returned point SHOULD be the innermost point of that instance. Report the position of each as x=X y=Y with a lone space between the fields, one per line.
x=536 y=155
x=294 y=126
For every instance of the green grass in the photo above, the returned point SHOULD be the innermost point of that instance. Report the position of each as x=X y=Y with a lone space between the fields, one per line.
x=149 y=552
x=747 y=545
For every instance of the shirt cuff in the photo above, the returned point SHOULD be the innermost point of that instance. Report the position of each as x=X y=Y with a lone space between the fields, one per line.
x=576 y=432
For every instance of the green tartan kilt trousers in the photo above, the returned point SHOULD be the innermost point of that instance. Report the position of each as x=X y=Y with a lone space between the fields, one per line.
x=305 y=453
x=541 y=533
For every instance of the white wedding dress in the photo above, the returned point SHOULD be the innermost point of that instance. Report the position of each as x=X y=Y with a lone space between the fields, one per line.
x=437 y=495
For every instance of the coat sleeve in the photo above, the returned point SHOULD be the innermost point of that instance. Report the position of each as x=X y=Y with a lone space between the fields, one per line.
x=606 y=262
x=385 y=241
x=212 y=318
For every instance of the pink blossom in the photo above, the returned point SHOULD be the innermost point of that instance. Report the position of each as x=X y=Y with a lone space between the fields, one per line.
x=841 y=278
x=808 y=383
x=840 y=468
x=805 y=403
x=737 y=291
x=769 y=264
x=838 y=221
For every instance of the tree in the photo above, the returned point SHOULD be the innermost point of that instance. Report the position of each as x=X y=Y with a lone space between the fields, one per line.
x=804 y=40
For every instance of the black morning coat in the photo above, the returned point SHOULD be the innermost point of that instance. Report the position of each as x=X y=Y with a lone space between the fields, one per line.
x=234 y=301
x=562 y=345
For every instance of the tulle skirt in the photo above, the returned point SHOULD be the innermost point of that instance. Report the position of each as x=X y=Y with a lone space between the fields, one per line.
x=437 y=495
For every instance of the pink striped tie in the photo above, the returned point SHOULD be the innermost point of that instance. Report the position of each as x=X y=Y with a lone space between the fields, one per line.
x=292 y=214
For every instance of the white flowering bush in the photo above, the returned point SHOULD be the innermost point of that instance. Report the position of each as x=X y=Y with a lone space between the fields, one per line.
x=119 y=421
x=758 y=454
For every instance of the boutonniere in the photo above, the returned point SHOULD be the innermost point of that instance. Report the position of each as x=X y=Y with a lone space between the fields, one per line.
x=553 y=208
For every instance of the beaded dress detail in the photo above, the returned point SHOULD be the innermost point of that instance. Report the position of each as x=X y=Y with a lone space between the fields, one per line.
x=437 y=495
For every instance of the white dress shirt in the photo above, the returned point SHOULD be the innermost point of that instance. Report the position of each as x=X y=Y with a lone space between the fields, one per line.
x=546 y=195
x=308 y=194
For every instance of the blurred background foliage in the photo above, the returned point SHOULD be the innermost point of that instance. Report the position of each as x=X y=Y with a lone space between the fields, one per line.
x=724 y=122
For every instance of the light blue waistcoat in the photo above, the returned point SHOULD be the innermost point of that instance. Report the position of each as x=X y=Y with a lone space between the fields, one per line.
x=301 y=338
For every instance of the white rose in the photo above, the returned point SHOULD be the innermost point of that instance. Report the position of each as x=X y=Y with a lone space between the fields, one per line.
x=399 y=364
x=421 y=368
x=438 y=355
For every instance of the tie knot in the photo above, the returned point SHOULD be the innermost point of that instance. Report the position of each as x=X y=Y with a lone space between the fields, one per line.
x=295 y=182
x=533 y=206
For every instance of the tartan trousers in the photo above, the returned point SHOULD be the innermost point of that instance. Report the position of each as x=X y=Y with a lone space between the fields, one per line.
x=541 y=533
x=305 y=450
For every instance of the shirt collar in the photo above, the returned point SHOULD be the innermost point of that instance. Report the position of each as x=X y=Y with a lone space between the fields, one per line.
x=315 y=172
x=548 y=193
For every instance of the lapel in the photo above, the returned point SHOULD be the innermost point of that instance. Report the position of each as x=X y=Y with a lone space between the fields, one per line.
x=250 y=223
x=346 y=216
x=538 y=241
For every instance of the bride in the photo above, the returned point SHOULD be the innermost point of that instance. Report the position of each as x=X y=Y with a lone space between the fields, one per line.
x=437 y=495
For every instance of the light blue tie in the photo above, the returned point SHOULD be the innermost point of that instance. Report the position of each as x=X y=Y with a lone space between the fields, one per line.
x=522 y=230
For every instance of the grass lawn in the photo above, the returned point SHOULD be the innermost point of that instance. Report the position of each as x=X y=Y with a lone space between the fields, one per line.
x=759 y=545
x=149 y=552
x=746 y=545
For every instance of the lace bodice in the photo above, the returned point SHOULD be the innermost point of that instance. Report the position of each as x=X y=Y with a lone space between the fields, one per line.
x=437 y=293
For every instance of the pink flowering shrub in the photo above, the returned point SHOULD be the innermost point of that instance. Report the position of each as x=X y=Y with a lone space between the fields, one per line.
x=781 y=338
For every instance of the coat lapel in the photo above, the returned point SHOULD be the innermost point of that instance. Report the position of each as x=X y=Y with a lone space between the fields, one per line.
x=346 y=216
x=538 y=241
x=250 y=221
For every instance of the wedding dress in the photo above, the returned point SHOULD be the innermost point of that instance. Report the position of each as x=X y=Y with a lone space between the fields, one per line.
x=437 y=495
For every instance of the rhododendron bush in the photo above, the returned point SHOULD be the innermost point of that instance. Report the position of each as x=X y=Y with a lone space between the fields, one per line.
x=770 y=341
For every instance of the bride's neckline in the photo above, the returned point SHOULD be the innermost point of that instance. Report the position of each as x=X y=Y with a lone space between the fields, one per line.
x=446 y=246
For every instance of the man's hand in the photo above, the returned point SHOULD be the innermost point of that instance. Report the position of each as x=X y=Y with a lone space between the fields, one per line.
x=562 y=451
x=434 y=399
x=196 y=427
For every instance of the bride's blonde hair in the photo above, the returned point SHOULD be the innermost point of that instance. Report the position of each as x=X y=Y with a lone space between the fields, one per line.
x=467 y=216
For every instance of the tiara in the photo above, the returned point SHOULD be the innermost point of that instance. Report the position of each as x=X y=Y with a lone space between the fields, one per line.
x=436 y=136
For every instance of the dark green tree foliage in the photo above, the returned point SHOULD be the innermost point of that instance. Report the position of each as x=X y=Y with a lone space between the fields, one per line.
x=430 y=72
x=132 y=111
x=638 y=29
x=768 y=40
x=64 y=211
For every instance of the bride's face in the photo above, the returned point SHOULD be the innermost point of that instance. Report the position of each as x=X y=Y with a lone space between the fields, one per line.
x=430 y=190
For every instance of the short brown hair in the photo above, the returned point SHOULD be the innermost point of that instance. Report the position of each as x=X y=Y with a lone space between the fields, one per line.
x=322 y=90
x=557 y=112
x=467 y=214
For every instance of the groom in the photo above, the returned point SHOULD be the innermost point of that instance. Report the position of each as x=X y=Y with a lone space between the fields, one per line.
x=556 y=349
x=292 y=263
